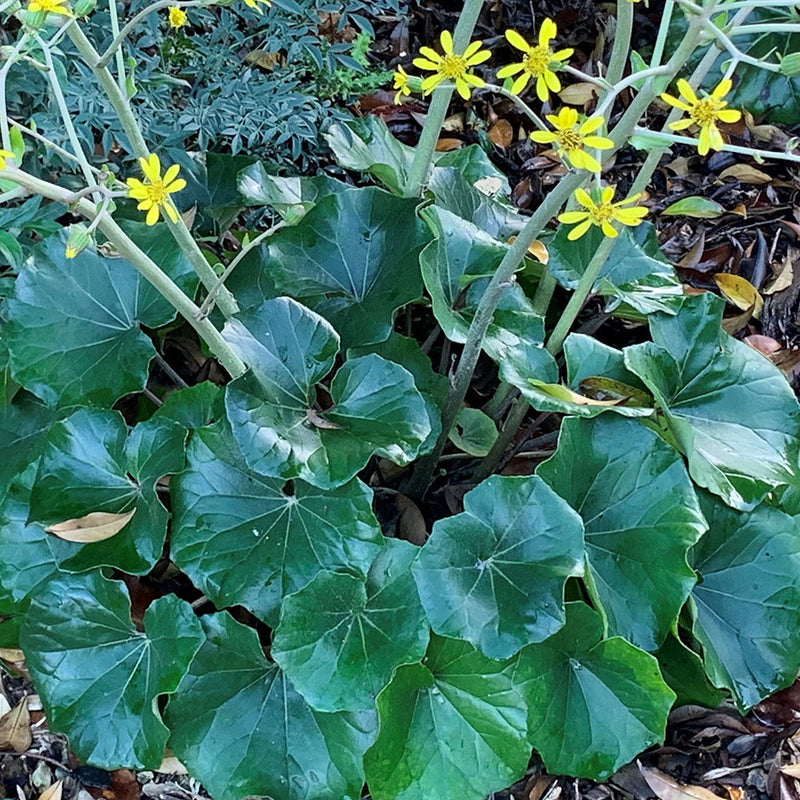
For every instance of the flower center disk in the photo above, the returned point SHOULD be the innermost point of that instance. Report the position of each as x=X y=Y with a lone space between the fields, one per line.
x=453 y=66
x=537 y=60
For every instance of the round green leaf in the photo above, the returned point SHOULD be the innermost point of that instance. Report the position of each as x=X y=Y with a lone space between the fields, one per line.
x=593 y=703
x=473 y=432
x=243 y=540
x=731 y=411
x=640 y=516
x=747 y=602
x=683 y=672
x=99 y=678
x=702 y=207
x=91 y=463
x=376 y=406
x=241 y=729
x=354 y=259
x=84 y=308
x=495 y=574
x=341 y=636
x=452 y=726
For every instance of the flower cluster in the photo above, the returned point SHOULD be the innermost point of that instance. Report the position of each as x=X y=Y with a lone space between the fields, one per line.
x=154 y=193
x=452 y=66
x=602 y=214
x=177 y=17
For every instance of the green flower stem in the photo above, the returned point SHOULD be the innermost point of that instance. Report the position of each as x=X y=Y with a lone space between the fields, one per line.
x=618 y=87
x=519 y=103
x=663 y=30
x=755 y=152
x=440 y=102
x=622 y=42
x=4 y=70
x=765 y=27
x=225 y=301
x=583 y=77
x=419 y=481
x=726 y=42
x=495 y=404
x=582 y=291
x=512 y=424
x=544 y=293
x=120 y=36
x=121 y=78
x=55 y=86
x=151 y=272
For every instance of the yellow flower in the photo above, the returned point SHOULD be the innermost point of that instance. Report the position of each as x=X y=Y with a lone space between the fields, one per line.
x=255 y=4
x=4 y=154
x=452 y=66
x=177 y=17
x=571 y=138
x=153 y=194
x=50 y=6
x=539 y=62
x=602 y=214
x=401 y=84
x=703 y=112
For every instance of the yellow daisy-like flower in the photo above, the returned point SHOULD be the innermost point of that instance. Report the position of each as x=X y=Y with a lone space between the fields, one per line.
x=50 y=6
x=452 y=66
x=401 y=84
x=703 y=112
x=571 y=138
x=602 y=214
x=177 y=17
x=153 y=194
x=4 y=154
x=539 y=62
x=254 y=4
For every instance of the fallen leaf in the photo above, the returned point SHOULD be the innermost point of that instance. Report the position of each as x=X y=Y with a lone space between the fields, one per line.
x=700 y=207
x=783 y=280
x=446 y=144
x=489 y=185
x=172 y=766
x=564 y=393
x=740 y=292
x=667 y=789
x=11 y=654
x=501 y=133
x=578 y=94
x=539 y=251
x=765 y=345
x=95 y=527
x=793 y=770
x=15 y=728
x=746 y=174
x=320 y=422
x=53 y=792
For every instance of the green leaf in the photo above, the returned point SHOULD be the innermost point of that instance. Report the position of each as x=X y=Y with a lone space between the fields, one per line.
x=194 y=406
x=700 y=207
x=683 y=671
x=636 y=272
x=354 y=259
x=90 y=463
x=640 y=516
x=474 y=432
x=243 y=541
x=99 y=678
x=494 y=575
x=452 y=726
x=747 y=602
x=376 y=407
x=474 y=164
x=341 y=636
x=85 y=307
x=593 y=703
x=456 y=268
x=241 y=728
x=731 y=411
x=290 y=196
x=23 y=425
x=595 y=371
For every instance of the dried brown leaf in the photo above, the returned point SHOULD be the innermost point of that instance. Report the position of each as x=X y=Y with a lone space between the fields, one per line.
x=53 y=792
x=95 y=527
x=740 y=292
x=783 y=280
x=578 y=94
x=746 y=174
x=667 y=789
x=15 y=728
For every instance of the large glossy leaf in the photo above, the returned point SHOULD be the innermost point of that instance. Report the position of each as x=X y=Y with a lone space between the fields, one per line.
x=594 y=372
x=73 y=327
x=23 y=425
x=456 y=267
x=495 y=574
x=242 y=730
x=243 y=541
x=354 y=259
x=99 y=678
x=272 y=409
x=640 y=515
x=341 y=636
x=747 y=602
x=683 y=672
x=636 y=272
x=452 y=726
x=731 y=411
x=91 y=463
x=292 y=197
x=593 y=703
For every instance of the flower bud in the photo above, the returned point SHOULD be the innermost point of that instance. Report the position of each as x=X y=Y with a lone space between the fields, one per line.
x=294 y=214
x=790 y=65
x=78 y=240
x=83 y=8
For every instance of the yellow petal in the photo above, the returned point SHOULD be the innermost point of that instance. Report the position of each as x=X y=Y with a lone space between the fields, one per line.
x=607 y=195
x=152 y=215
x=145 y=204
x=151 y=167
x=430 y=53
x=171 y=174
x=686 y=90
x=598 y=142
x=571 y=217
x=517 y=41
x=609 y=230
x=472 y=48
x=447 y=42
x=579 y=230
x=715 y=139
x=547 y=32
x=681 y=124
x=729 y=115
x=673 y=101
x=704 y=140
x=544 y=137
x=431 y=82
x=541 y=89
x=423 y=63
x=474 y=80
x=479 y=58
x=723 y=87
x=582 y=196
x=582 y=160
x=175 y=186
x=552 y=81
x=462 y=88
x=567 y=118
x=520 y=83
x=172 y=212
x=590 y=125
x=562 y=55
